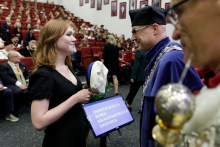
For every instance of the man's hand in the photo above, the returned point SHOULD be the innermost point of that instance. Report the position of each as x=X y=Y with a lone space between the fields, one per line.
x=132 y=81
x=22 y=87
x=1 y=87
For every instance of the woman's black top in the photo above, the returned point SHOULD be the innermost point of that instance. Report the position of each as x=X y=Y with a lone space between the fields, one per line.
x=15 y=31
x=110 y=56
x=69 y=130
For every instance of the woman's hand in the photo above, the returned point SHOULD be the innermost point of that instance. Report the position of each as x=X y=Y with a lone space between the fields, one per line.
x=84 y=95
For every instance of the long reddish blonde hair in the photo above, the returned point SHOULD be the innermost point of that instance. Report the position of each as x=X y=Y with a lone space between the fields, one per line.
x=45 y=54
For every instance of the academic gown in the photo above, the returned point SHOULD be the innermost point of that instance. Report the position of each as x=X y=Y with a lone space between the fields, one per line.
x=168 y=70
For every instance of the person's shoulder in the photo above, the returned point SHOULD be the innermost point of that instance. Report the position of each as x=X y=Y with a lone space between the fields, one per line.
x=42 y=71
x=173 y=56
x=4 y=64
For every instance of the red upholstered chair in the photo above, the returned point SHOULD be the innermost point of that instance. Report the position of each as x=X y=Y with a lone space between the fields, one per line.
x=128 y=59
x=86 y=57
x=100 y=44
x=11 y=27
x=91 y=44
x=28 y=62
x=78 y=34
x=3 y=60
x=95 y=52
x=17 y=49
x=132 y=55
x=100 y=55
x=36 y=36
x=23 y=33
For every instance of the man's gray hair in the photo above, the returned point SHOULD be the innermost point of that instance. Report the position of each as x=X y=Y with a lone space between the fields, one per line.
x=10 y=53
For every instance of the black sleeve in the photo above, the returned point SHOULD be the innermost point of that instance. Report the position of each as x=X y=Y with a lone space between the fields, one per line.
x=15 y=31
x=104 y=51
x=40 y=85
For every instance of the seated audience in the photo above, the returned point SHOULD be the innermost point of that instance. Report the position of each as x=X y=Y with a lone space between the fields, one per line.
x=15 y=40
x=127 y=48
x=102 y=28
x=7 y=95
x=91 y=36
x=14 y=75
x=38 y=23
x=95 y=27
x=28 y=22
x=28 y=36
x=124 y=68
x=37 y=28
x=8 y=47
x=30 y=49
x=84 y=43
x=17 y=29
x=87 y=27
x=103 y=37
x=5 y=6
x=5 y=28
x=82 y=34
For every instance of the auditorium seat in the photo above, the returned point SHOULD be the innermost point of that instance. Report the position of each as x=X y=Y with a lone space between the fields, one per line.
x=100 y=44
x=3 y=60
x=91 y=44
x=28 y=62
x=95 y=52
x=23 y=33
x=86 y=57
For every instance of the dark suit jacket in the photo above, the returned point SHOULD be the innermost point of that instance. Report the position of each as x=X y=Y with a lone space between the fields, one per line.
x=27 y=38
x=26 y=53
x=4 y=27
x=7 y=75
x=137 y=73
x=15 y=31
x=1 y=82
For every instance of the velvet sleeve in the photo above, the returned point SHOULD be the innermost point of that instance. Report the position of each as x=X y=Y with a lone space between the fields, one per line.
x=40 y=85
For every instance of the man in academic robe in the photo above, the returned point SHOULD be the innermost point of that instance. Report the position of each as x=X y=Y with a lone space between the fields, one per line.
x=30 y=49
x=164 y=63
x=8 y=47
x=200 y=35
x=14 y=40
x=15 y=75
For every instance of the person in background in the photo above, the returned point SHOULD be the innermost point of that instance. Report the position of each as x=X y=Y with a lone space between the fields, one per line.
x=14 y=75
x=84 y=43
x=102 y=28
x=104 y=37
x=15 y=40
x=7 y=95
x=5 y=28
x=9 y=46
x=137 y=76
x=29 y=50
x=110 y=59
x=124 y=68
x=28 y=36
x=91 y=35
x=127 y=48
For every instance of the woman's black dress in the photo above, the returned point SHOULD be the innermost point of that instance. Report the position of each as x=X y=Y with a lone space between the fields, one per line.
x=110 y=56
x=69 y=130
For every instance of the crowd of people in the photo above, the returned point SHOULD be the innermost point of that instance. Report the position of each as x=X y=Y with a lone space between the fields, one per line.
x=32 y=16
x=54 y=102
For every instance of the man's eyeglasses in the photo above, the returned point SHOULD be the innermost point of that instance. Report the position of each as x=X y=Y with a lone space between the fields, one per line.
x=135 y=31
x=169 y=13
